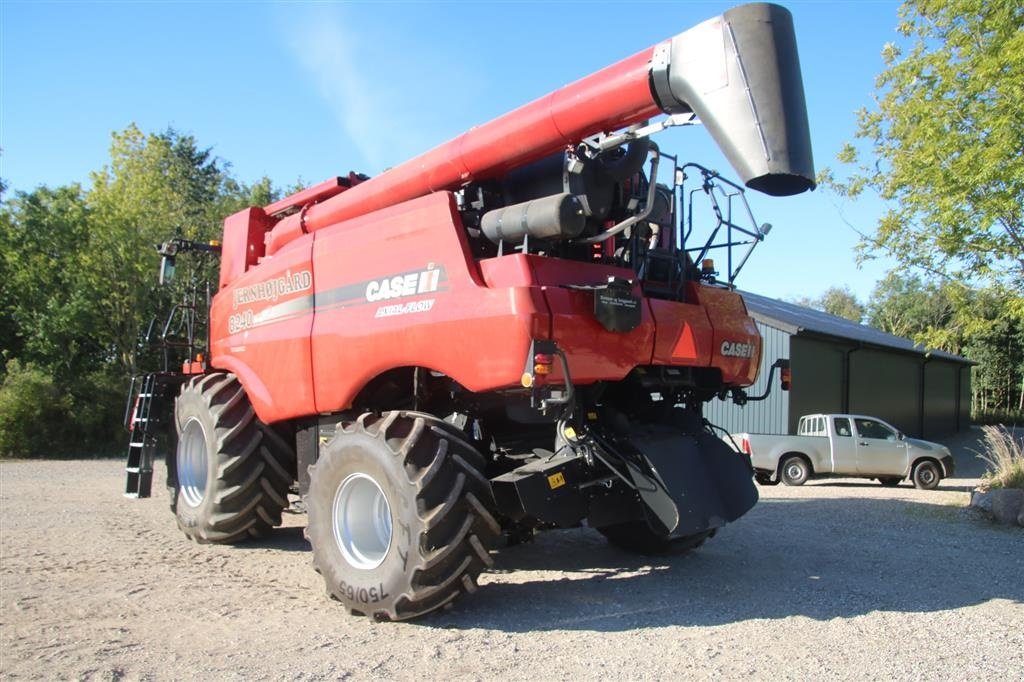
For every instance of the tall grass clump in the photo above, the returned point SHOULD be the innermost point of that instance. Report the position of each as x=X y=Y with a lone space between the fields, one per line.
x=1004 y=453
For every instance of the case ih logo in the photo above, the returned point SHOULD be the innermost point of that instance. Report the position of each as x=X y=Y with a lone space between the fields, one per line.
x=410 y=284
x=735 y=349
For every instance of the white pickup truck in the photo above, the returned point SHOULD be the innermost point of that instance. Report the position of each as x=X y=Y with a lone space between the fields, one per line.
x=845 y=445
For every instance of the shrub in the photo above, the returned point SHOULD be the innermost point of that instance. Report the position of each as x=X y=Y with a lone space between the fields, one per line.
x=1004 y=453
x=33 y=412
x=998 y=416
x=41 y=417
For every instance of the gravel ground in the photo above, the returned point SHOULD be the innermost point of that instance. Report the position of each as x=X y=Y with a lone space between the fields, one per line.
x=837 y=579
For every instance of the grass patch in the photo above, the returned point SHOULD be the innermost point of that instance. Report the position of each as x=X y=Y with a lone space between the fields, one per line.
x=1004 y=455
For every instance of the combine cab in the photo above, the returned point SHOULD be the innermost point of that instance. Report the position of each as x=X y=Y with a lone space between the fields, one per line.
x=516 y=331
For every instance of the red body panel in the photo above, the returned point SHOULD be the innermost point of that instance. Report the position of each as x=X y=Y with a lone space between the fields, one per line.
x=477 y=335
x=684 y=334
x=260 y=327
x=242 y=243
x=311 y=326
x=741 y=358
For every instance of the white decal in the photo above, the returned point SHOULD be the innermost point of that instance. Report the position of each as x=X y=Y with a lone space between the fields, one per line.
x=405 y=308
x=240 y=322
x=273 y=289
x=735 y=349
x=412 y=284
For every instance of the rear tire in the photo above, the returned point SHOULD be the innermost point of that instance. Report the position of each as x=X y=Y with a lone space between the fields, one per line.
x=765 y=479
x=399 y=515
x=794 y=470
x=229 y=478
x=637 y=537
x=926 y=475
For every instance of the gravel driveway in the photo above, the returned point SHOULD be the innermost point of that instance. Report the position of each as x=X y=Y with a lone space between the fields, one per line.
x=837 y=579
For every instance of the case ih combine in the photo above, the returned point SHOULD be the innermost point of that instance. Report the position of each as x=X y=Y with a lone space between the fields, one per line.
x=505 y=334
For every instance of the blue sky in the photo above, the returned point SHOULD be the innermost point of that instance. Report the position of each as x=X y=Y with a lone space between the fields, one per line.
x=307 y=91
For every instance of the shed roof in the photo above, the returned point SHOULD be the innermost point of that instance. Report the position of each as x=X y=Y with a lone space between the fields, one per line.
x=793 y=319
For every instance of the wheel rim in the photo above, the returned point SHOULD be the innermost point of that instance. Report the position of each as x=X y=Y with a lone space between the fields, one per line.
x=362 y=521
x=795 y=472
x=926 y=475
x=192 y=463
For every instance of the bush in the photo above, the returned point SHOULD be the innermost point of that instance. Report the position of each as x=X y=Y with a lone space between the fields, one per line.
x=998 y=416
x=41 y=418
x=33 y=412
x=1004 y=453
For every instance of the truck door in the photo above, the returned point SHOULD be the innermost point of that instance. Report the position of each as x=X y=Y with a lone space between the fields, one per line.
x=879 y=450
x=844 y=446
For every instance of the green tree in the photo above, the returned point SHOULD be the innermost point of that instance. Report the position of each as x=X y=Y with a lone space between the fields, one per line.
x=78 y=284
x=156 y=186
x=911 y=307
x=945 y=137
x=838 y=301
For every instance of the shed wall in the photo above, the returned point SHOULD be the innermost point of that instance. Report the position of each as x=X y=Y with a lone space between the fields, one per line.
x=886 y=385
x=817 y=378
x=941 y=396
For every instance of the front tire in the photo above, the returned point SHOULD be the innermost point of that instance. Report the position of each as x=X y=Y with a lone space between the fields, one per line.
x=926 y=475
x=794 y=470
x=399 y=515
x=229 y=477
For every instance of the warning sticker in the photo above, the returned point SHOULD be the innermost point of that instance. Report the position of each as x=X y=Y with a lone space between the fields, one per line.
x=556 y=480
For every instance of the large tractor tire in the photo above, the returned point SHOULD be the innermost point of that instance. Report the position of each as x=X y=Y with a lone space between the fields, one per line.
x=229 y=479
x=399 y=515
x=638 y=537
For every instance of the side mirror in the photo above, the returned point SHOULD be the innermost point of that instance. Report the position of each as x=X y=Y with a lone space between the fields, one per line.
x=900 y=435
x=166 y=269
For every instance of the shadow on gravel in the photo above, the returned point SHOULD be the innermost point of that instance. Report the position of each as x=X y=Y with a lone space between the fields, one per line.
x=288 y=539
x=817 y=558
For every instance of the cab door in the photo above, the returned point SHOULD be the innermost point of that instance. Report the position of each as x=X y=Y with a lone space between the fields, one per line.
x=844 y=446
x=880 y=452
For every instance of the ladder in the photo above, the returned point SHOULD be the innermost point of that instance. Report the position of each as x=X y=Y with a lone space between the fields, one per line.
x=142 y=421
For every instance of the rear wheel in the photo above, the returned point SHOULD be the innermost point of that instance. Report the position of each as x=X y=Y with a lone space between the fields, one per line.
x=926 y=475
x=637 y=536
x=794 y=470
x=399 y=515
x=229 y=478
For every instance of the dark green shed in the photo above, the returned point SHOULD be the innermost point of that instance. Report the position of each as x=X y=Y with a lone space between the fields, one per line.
x=842 y=366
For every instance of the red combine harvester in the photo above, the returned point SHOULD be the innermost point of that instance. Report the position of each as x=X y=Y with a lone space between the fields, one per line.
x=508 y=333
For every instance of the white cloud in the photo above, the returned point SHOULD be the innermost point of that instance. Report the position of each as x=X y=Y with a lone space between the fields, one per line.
x=392 y=98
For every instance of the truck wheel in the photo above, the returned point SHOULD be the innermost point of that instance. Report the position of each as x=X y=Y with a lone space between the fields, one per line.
x=637 y=536
x=890 y=481
x=399 y=515
x=926 y=475
x=794 y=470
x=230 y=475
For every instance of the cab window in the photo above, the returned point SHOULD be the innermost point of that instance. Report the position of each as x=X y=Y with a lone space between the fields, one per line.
x=869 y=428
x=842 y=425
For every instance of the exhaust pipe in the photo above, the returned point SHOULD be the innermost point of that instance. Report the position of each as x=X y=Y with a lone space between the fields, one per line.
x=740 y=74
